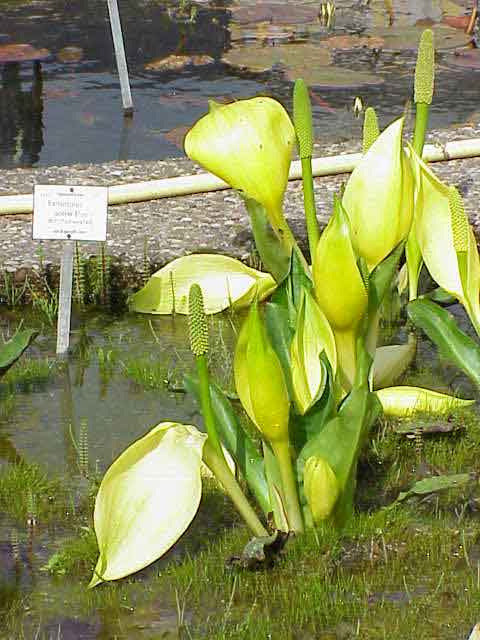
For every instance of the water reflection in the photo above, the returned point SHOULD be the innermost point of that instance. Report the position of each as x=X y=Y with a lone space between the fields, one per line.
x=182 y=54
x=21 y=117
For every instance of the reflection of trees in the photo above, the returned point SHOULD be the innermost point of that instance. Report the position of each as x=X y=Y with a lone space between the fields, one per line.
x=21 y=136
x=149 y=31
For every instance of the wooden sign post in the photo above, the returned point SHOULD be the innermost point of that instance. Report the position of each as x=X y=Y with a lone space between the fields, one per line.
x=68 y=213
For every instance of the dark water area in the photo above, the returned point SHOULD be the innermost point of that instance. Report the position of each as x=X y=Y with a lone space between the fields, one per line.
x=67 y=107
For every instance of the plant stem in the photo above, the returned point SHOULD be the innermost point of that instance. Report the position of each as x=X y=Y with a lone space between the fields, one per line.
x=421 y=124
x=347 y=356
x=309 y=206
x=281 y=450
x=298 y=251
x=206 y=404
x=220 y=470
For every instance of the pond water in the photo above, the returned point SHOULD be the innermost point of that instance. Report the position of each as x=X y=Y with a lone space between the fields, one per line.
x=67 y=108
x=72 y=416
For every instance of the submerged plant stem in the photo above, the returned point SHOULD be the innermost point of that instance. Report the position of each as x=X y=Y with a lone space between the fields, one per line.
x=217 y=465
x=281 y=450
x=309 y=205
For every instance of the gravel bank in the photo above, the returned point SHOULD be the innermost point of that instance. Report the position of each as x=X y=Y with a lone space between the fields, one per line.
x=171 y=227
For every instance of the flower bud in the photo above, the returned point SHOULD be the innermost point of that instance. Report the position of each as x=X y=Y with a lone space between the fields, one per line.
x=321 y=487
x=260 y=381
x=339 y=286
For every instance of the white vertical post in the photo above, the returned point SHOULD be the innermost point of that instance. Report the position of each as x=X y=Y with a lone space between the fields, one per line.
x=65 y=298
x=120 y=57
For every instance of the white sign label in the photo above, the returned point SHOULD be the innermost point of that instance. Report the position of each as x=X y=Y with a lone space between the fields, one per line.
x=69 y=213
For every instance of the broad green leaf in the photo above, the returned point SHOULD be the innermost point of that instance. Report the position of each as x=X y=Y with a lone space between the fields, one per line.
x=404 y=401
x=434 y=485
x=11 y=350
x=342 y=438
x=289 y=293
x=280 y=332
x=378 y=197
x=274 y=480
x=442 y=329
x=441 y=296
x=225 y=282
x=381 y=279
x=147 y=499
x=392 y=361
x=238 y=443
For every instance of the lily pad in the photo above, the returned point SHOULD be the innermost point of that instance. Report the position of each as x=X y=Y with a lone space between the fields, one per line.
x=22 y=53
x=70 y=54
x=457 y=22
x=347 y=42
x=285 y=13
x=332 y=77
x=444 y=426
x=177 y=63
x=299 y=60
x=263 y=32
x=292 y=56
x=407 y=38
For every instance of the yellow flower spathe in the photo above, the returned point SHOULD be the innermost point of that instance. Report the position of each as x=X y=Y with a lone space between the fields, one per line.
x=379 y=195
x=405 y=401
x=147 y=499
x=260 y=381
x=249 y=145
x=446 y=240
x=313 y=335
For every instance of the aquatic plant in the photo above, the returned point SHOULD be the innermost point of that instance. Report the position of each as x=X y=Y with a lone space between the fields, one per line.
x=307 y=361
x=12 y=349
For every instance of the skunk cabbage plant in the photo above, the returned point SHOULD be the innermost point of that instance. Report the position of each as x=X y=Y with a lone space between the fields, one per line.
x=306 y=362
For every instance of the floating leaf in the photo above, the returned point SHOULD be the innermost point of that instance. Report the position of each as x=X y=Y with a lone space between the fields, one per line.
x=404 y=401
x=224 y=281
x=11 y=350
x=147 y=499
x=411 y=428
x=435 y=484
